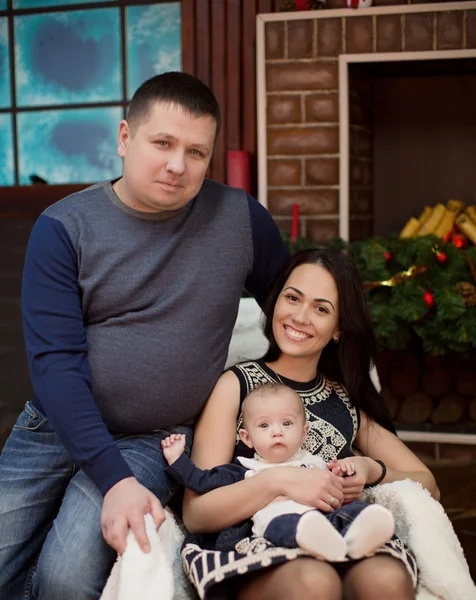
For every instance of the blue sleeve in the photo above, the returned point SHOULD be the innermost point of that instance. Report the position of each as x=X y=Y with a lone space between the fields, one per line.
x=57 y=350
x=202 y=481
x=270 y=252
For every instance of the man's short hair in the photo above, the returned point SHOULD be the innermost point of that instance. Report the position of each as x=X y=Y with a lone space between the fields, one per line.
x=178 y=88
x=270 y=389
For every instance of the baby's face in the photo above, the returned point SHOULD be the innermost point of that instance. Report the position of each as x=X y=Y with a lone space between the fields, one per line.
x=276 y=425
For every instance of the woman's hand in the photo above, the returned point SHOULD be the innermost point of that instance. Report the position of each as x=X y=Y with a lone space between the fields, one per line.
x=353 y=485
x=320 y=489
x=342 y=467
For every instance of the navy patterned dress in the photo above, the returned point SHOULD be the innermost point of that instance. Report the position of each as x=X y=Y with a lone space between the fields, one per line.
x=334 y=423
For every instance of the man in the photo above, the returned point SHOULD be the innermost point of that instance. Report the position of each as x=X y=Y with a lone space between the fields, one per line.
x=130 y=292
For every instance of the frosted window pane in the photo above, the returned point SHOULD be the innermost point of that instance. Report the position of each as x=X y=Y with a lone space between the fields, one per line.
x=69 y=146
x=153 y=42
x=69 y=57
x=6 y=150
x=42 y=3
x=5 y=98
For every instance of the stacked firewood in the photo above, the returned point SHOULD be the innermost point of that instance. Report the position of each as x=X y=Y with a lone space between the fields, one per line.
x=428 y=391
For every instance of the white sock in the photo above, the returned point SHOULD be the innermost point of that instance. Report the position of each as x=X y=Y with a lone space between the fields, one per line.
x=372 y=527
x=316 y=535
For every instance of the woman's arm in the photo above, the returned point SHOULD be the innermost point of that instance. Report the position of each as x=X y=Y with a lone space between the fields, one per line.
x=375 y=442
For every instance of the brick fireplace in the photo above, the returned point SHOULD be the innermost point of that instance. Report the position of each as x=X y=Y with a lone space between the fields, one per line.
x=324 y=80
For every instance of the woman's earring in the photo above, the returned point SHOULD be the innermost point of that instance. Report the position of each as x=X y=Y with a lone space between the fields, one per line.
x=336 y=340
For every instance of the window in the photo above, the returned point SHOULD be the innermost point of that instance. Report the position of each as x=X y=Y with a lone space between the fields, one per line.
x=67 y=72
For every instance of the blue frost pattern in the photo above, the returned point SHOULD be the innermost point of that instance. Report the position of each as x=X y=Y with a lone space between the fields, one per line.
x=5 y=99
x=63 y=58
x=153 y=42
x=6 y=150
x=69 y=146
x=42 y=3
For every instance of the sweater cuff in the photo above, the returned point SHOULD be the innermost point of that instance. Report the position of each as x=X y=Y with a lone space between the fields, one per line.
x=110 y=468
x=179 y=467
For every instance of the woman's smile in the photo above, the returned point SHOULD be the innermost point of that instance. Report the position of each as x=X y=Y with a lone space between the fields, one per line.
x=295 y=335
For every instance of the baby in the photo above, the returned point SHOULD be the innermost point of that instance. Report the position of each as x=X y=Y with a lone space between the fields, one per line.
x=275 y=427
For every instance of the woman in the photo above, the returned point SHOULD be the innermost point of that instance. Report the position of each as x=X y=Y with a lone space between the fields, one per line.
x=315 y=314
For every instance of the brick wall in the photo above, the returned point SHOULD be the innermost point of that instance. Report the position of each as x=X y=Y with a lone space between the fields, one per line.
x=302 y=108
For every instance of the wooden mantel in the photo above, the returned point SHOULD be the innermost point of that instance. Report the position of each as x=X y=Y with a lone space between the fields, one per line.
x=31 y=200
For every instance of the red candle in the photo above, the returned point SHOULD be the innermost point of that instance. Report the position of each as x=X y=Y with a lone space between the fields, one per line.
x=295 y=223
x=238 y=169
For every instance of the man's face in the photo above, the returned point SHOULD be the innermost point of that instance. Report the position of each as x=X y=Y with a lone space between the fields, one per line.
x=166 y=156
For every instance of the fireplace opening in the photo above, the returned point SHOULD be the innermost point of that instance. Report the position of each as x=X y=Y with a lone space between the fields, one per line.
x=411 y=139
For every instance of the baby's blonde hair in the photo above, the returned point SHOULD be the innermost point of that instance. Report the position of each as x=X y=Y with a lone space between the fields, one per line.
x=270 y=389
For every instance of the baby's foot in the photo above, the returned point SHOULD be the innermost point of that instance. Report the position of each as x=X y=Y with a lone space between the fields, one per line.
x=371 y=528
x=316 y=535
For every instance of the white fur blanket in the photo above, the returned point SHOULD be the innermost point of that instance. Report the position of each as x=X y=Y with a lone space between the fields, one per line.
x=424 y=526
x=157 y=575
x=420 y=522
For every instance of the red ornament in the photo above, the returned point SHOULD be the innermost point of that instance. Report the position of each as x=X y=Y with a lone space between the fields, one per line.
x=442 y=258
x=429 y=299
x=459 y=240
x=388 y=256
x=447 y=237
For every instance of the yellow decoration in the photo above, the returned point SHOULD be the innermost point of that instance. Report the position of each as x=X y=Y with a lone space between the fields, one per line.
x=433 y=220
x=410 y=229
x=446 y=223
x=413 y=271
x=471 y=212
x=467 y=226
x=455 y=205
x=441 y=219
x=425 y=215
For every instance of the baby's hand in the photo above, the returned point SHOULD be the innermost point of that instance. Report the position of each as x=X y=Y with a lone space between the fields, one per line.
x=173 y=446
x=343 y=467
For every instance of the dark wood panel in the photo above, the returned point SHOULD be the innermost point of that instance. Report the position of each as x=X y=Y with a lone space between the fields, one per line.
x=31 y=200
x=218 y=83
x=203 y=43
x=219 y=47
x=188 y=36
x=249 y=76
x=233 y=74
x=265 y=6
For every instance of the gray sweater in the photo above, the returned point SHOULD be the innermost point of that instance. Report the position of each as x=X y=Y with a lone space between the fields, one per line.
x=128 y=315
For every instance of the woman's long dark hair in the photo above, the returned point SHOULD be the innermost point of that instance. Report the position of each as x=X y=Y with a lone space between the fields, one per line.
x=348 y=361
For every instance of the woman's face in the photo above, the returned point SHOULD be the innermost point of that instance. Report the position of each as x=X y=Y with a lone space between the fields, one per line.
x=306 y=315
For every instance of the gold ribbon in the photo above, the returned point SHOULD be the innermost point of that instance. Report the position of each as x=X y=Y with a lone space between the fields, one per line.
x=398 y=278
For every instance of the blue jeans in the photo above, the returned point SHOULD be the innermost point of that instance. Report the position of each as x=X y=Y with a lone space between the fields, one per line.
x=51 y=546
x=281 y=531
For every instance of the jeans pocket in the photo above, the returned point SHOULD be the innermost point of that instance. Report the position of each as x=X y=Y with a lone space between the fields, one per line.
x=30 y=418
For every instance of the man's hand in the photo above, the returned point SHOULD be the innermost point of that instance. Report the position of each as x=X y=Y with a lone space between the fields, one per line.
x=124 y=508
x=173 y=446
